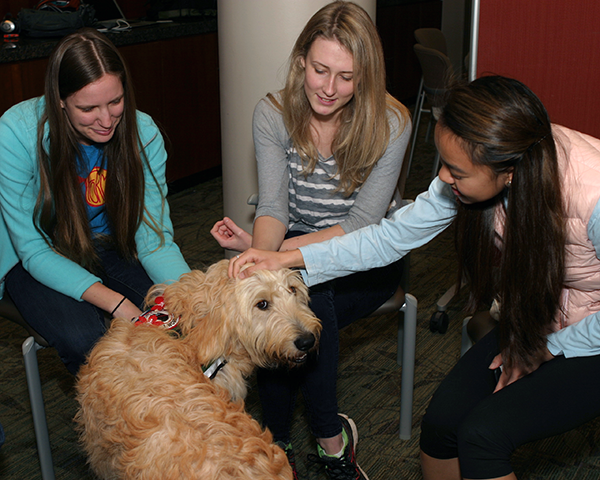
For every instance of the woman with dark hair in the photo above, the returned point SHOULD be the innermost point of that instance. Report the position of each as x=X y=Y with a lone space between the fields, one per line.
x=329 y=150
x=85 y=228
x=525 y=197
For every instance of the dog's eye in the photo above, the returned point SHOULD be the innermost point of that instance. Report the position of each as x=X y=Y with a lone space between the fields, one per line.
x=262 y=305
x=293 y=290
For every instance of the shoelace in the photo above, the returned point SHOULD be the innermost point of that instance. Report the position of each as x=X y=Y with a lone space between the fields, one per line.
x=289 y=453
x=292 y=461
x=337 y=468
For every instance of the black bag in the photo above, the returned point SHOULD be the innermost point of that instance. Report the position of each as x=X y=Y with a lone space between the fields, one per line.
x=50 y=20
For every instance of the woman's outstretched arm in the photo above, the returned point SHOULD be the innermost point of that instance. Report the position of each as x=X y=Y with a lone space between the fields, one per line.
x=367 y=248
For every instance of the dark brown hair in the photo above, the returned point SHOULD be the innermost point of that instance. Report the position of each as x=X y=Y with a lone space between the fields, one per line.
x=78 y=60
x=502 y=124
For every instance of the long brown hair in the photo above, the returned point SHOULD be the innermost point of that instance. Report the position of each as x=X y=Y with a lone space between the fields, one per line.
x=503 y=124
x=364 y=131
x=78 y=60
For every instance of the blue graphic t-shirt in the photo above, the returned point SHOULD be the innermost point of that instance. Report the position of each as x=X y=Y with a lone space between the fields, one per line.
x=92 y=177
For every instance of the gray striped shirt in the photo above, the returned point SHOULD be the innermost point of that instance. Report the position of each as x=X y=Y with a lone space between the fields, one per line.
x=309 y=203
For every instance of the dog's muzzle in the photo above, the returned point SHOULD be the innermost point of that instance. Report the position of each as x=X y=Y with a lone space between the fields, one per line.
x=304 y=343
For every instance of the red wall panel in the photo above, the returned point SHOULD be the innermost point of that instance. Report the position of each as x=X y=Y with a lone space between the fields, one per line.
x=551 y=46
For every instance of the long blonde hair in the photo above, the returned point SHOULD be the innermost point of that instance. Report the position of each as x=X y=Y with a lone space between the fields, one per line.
x=364 y=131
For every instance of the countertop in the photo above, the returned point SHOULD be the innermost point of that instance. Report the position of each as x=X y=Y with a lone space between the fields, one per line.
x=31 y=48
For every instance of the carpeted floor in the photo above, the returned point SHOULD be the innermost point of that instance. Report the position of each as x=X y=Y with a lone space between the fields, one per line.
x=368 y=385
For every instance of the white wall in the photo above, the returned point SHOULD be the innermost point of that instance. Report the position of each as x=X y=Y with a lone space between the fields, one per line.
x=255 y=40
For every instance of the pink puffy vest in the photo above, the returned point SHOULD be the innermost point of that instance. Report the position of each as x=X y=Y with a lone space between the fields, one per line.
x=579 y=163
x=579 y=160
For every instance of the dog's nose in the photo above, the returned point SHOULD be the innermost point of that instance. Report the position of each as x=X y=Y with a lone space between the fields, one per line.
x=305 y=342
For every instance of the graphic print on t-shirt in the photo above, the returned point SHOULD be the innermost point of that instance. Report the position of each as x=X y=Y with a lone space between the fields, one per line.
x=94 y=187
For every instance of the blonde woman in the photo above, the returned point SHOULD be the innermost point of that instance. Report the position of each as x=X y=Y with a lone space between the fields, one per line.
x=329 y=149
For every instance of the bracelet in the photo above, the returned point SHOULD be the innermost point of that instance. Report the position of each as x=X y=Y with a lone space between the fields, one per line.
x=118 y=305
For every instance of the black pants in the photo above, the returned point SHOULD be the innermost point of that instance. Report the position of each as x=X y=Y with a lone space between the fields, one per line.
x=336 y=303
x=71 y=326
x=465 y=420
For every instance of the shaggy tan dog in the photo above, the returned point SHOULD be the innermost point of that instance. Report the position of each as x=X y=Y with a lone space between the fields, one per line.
x=148 y=412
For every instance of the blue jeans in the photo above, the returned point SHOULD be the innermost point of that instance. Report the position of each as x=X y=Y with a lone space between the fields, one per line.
x=336 y=303
x=72 y=327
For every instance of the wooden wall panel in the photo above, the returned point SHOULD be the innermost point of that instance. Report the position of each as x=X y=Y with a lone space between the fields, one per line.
x=552 y=47
x=176 y=82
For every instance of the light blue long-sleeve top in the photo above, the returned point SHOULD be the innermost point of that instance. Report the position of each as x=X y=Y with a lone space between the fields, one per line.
x=415 y=225
x=19 y=187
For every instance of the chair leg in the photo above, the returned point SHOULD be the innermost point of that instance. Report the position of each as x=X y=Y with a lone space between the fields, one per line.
x=407 y=339
x=429 y=125
x=30 y=348
x=415 y=126
x=466 y=341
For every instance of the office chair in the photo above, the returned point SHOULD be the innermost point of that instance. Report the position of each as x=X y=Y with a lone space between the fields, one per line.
x=432 y=38
x=31 y=345
x=435 y=39
x=437 y=69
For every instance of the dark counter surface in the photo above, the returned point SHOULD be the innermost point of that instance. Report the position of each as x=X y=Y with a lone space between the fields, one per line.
x=31 y=48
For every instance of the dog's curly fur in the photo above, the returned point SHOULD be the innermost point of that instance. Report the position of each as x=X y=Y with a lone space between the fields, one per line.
x=148 y=412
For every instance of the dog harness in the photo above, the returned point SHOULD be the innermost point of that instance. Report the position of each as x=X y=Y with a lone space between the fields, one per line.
x=159 y=317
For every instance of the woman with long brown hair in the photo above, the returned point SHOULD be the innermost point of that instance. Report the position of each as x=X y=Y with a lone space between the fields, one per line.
x=85 y=227
x=329 y=150
x=525 y=197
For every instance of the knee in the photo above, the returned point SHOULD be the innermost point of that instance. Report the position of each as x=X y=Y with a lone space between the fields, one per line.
x=438 y=432
x=483 y=450
x=73 y=345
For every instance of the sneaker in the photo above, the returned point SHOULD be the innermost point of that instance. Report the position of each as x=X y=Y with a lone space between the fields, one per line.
x=289 y=451
x=345 y=467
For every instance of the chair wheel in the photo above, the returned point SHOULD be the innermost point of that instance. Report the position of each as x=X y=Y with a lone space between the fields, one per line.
x=439 y=322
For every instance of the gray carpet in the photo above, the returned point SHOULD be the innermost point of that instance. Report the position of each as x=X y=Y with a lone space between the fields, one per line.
x=368 y=385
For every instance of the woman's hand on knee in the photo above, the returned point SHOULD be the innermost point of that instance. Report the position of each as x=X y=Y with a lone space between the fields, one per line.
x=230 y=236
x=515 y=371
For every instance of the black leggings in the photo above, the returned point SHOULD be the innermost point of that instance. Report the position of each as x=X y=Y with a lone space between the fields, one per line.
x=465 y=420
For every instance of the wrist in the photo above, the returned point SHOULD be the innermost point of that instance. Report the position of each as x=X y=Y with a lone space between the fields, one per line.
x=293 y=259
x=118 y=305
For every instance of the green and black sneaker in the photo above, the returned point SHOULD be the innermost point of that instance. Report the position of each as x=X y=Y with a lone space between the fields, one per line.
x=289 y=451
x=344 y=467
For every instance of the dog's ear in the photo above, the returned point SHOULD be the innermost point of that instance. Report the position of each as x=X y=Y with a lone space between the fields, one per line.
x=178 y=298
x=196 y=295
